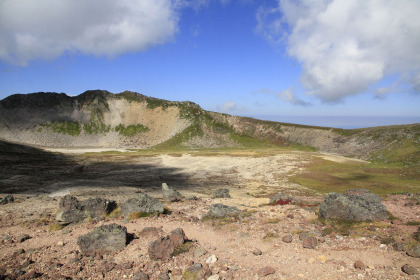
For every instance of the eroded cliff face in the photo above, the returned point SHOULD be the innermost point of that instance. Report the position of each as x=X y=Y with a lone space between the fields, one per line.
x=131 y=120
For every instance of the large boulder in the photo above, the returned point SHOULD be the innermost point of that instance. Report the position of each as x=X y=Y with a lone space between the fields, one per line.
x=219 y=210
x=283 y=199
x=142 y=203
x=170 y=194
x=353 y=205
x=221 y=193
x=103 y=239
x=74 y=211
x=163 y=248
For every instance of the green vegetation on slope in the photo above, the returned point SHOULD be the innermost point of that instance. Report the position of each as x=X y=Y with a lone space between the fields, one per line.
x=130 y=130
x=326 y=176
x=69 y=127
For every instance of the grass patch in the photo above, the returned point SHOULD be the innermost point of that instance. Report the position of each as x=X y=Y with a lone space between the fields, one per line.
x=55 y=227
x=131 y=129
x=114 y=213
x=70 y=127
x=270 y=235
x=326 y=176
x=138 y=215
x=271 y=220
x=413 y=223
x=183 y=248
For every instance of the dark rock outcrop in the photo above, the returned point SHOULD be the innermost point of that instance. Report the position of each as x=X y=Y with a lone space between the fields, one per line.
x=414 y=251
x=220 y=210
x=141 y=203
x=170 y=194
x=353 y=205
x=103 y=239
x=7 y=199
x=163 y=248
x=74 y=211
x=283 y=199
x=221 y=193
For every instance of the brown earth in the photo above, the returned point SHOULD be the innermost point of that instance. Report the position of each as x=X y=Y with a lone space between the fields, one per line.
x=251 y=180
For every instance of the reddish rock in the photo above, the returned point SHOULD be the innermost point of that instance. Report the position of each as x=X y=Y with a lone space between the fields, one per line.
x=266 y=271
x=287 y=238
x=310 y=243
x=359 y=265
x=163 y=248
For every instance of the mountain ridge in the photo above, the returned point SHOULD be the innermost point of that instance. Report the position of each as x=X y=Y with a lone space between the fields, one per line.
x=99 y=118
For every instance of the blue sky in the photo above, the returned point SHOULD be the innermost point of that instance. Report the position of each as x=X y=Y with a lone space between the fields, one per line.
x=271 y=58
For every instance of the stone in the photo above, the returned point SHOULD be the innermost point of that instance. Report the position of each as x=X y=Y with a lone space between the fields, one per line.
x=23 y=238
x=142 y=203
x=257 y=252
x=287 y=238
x=414 y=251
x=353 y=205
x=199 y=251
x=170 y=194
x=399 y=246
x=211 y=259
x=220 y=210
x=283 y=199
x=359 y=265
x=267 y=270
x=196 y=271
x=74 y=211
x=310 y=242
x=163 y=276
x=303 y=235
x=163 y=248
x=103 y=239
x=214 y=277
x=409 y=269
x=140 y=275
x=150 y=232
x=7 y=199
x=221 y=193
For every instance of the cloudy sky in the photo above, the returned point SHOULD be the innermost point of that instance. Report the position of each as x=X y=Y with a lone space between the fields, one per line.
x=266 y=58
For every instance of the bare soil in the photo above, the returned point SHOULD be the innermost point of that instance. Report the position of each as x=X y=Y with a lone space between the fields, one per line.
x=250 y=179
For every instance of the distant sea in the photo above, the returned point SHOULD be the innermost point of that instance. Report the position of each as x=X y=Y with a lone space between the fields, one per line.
x=346 y=122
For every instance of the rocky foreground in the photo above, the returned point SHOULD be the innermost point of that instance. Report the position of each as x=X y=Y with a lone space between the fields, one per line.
x=173 y=235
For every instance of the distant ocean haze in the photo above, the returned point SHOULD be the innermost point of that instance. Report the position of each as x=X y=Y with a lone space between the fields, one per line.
x=346 y=122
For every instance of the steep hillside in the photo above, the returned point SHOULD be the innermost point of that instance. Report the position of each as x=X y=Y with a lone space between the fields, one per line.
x=131 y=120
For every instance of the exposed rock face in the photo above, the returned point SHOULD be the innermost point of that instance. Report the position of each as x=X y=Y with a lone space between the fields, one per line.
x=103 y=239
x=221 y=193
x=163 y=248
x=74 y=211
x=220 y=210
x=7 y=199
x=283 y=199
x=170 y=194
x=141 y=203
x=354 y=205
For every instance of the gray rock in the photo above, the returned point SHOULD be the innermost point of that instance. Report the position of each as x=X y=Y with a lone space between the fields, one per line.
x=74 y=211
x=220 y=210
x=23 y=238
x=170 y=194
x=409 y=269
x=283 y=199
x=221 y=193
x=197 y=271
x=414 y=251
x=140 y=275
x=163 y=248
x=141 y=203
x=199 y=251
x=7 y=199
x=103 y=239
x=287 y=238
x=163 y=276
x=354 y=205
x=310 y=242
x=257 y=252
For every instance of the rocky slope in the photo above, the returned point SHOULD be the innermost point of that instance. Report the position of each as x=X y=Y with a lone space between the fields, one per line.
x=131 y=120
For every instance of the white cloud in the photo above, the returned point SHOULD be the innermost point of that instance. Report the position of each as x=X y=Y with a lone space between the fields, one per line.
x=229 y=107
x=46 y=29
x=286 y=95
x=347 y=47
